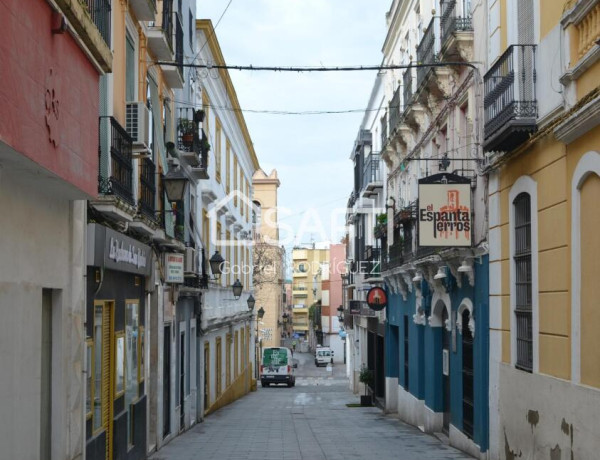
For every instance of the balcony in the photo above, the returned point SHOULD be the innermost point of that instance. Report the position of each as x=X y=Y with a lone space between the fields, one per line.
x=160 y=36
x=428 y=50
x=384 y=130
x=115 y=173
x=408 y=82
x=510 y=102
x=146 y=221
x=394 y=256
x=145 y=10
x=99 y=11
x=372 y=262
x=174 y=73
x=299 y=292
x=395 y=110
x=372 y=177
x=456 y=30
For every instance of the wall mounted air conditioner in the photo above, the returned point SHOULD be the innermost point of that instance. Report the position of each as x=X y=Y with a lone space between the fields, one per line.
x=191 y=261
x=137 y=125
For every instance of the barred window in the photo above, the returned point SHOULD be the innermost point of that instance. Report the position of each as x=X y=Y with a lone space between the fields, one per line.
x=523 y=294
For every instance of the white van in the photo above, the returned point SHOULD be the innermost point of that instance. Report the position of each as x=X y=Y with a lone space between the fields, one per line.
x=277 y=366
x=323 y=355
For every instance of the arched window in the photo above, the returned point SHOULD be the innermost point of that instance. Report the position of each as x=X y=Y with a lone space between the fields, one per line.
x=523 y=280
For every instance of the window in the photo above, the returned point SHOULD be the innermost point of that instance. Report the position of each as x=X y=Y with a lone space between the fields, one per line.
x=130 y=95
x=191 y=28
x=119 y=364
x=131 y=360
x=218 y=134
x=228 y=361
x=229 y=280
x=243 y=342
x=89 y=377
x=228 y=167
x=406 y=355
x=236 y=358
x=235 y=178
x=218 y=368
x=523 y=279
x=206 y=231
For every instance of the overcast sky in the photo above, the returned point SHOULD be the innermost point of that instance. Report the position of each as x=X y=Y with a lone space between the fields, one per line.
x=310 y=152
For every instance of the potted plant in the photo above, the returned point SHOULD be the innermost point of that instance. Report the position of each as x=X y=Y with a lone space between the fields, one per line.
x=204 y=145
x=380 y=226
x=186 y=128
x=366 y=377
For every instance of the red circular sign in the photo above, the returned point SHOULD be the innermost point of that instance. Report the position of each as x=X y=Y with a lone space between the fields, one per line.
x=376 y=298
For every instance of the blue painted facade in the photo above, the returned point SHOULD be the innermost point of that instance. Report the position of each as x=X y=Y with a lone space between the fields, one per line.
x=423 y=377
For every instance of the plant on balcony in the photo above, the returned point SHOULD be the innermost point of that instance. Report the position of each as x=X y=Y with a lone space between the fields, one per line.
x=380 y=226
x=186 y=128
x=204 y=145
x=366 y=378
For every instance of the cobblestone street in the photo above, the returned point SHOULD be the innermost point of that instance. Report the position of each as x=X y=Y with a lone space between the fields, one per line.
x=310 y=421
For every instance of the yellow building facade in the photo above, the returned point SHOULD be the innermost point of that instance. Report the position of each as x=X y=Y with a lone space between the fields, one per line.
x=268 y=258
x=306 y=284
x=542 y=141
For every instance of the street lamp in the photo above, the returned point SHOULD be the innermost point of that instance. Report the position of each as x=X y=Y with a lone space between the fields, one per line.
x=260 y=313
x=251 y=302
x=175 y=183
x=216 y=263
x=237 y=289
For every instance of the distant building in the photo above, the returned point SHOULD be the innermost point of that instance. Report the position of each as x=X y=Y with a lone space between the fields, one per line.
x=269 y=258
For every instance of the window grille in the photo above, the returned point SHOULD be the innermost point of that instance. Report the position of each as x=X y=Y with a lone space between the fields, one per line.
x=523 y=275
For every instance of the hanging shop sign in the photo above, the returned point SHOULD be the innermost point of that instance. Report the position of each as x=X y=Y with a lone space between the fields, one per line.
x=112 y=250
x=445 y=213
x=174 y=267
x=376 y=299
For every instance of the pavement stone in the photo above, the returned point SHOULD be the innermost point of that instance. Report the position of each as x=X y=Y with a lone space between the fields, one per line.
x=308 y=422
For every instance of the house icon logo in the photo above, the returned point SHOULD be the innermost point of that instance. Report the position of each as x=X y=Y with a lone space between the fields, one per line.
x=238 y=212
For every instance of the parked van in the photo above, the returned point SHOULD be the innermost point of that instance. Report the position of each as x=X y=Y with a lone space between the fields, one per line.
x=323 y=355
x=277 y=366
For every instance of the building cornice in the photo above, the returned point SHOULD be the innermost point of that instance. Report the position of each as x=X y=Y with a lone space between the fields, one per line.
x=205 y=25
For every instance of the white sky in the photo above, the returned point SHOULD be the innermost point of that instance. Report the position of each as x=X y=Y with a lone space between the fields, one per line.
x=310 y=152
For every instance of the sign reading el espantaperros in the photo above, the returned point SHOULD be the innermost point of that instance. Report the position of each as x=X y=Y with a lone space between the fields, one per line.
x=445 y=214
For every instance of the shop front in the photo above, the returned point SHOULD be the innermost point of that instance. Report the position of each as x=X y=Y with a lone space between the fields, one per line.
x=117 y=268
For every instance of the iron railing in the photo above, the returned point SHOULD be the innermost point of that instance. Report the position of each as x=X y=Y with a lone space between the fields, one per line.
x=451 y=22
x=408 y=90
x=372 y=259
x=510 y=88
x=372 y=170
x=167 y=21
x=179 y=45
x=428 y=49
x=394 y=256
x=147 y=188
x=395 y=110
x=384 y=129
x=115 y=175
x=99 y=11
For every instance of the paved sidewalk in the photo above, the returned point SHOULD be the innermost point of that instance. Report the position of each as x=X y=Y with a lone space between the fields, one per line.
x=310 y=421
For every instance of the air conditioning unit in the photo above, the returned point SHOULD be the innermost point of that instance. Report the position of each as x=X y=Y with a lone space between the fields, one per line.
x=191 y=261
x=137 y=125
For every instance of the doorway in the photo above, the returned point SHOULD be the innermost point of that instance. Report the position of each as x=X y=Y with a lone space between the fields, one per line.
x=182 y=380
x=103 y=369
x=467 y=375
x=446 y=340
x=167 y=381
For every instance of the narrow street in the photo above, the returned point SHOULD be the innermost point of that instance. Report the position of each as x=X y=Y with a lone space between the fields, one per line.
x=310 y=421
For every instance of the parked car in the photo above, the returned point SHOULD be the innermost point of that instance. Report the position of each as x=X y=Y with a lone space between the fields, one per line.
x=323 y=355
x=277 y=366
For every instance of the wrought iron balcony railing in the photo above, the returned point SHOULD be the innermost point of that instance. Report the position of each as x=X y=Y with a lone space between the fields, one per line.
x=99 y=11
x=451 y=22
x=147 y=189
x=372 y=170
x=510 y=102
x=384 y=129
x=395 y=110
x=115 y=175
x=372 y=263
x=167 y=21
x=393 y=257
x=179 y=44
x=408 y=86
x=428 y=49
